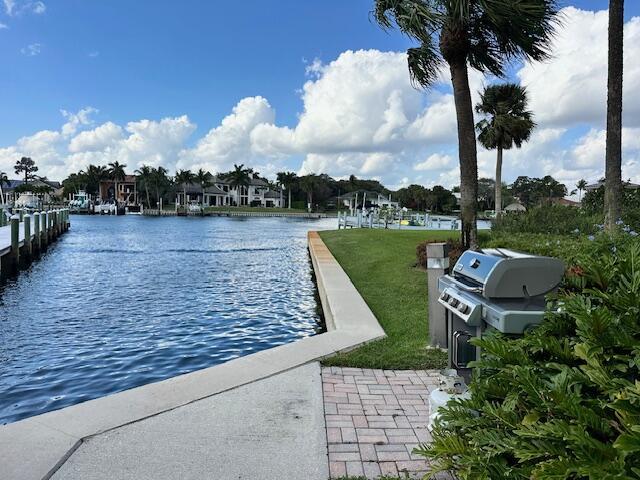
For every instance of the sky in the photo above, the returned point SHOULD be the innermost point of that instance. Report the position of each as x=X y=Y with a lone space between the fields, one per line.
x=308 y=86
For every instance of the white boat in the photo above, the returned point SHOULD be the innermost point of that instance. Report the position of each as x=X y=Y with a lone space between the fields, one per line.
x=27 y=200
x=80 y=201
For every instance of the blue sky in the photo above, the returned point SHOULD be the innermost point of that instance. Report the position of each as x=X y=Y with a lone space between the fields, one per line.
x=135 y=60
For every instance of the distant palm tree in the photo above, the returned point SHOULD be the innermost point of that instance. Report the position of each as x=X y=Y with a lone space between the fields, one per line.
x=581 y=185
x=287 y=179
x=145 y=173
x=508 y=123
x=203 y=178
x=613 y=155
x=159 y=176
x=4 y=180
x=184 y=178
x=116 y=173
x=237 y=178
x=484 y=35
x=308 y=184
x=93 y=176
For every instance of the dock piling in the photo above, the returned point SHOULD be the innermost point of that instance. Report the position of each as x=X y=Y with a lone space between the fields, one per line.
x=26 y=225
x=44 y=238
x=36 y=232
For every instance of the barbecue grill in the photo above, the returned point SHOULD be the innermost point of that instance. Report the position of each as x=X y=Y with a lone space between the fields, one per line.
x=494 y=288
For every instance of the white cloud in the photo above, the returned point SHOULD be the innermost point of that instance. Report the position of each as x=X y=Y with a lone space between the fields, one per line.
x=435 y=161
x=230 y=142
x=93 y=54
x=3 y=26
x=31 y=50
x=571 y=87
x=13 y=7
x=9 y=6
x=100 y=138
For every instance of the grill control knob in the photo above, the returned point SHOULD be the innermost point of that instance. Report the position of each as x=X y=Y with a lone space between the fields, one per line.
x=445 y=297
x=453 y=302
x=462 y=308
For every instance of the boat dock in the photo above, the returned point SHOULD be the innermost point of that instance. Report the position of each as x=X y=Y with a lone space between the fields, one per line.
x=232 y=213
x=24 y=236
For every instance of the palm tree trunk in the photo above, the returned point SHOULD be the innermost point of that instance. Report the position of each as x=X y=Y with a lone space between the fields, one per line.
x=613 y=161
x=148 y=199
x=466 y=151
x=289 y=196
x=498 y=202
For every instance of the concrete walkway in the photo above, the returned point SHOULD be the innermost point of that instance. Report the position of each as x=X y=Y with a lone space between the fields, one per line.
x=269 y=429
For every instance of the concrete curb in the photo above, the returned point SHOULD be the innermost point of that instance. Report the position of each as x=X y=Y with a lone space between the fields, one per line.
x=35 y=448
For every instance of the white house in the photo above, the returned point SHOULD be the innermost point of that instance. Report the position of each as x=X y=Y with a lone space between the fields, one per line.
x=222 y=193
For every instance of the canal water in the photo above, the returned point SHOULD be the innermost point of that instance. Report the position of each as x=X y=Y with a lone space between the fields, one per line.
x=119 y=302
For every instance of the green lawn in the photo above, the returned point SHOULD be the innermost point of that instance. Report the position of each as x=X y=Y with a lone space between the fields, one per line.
x=381 y=265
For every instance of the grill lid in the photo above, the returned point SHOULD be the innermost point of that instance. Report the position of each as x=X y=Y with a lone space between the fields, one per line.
x=504 y=273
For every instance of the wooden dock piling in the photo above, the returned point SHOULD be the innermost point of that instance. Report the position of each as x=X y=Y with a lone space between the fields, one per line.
x=21 y=241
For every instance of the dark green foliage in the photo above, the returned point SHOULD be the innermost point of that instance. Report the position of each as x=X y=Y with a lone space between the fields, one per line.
x=593 y=202
x=562 y=402
x=536 y=191
x=554 y=219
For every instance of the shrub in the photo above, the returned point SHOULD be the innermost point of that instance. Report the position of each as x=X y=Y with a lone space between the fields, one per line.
x=563 y=401
x=554 y=219
x=455 y=250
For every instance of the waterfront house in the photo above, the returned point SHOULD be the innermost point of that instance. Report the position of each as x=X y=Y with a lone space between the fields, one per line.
x=45 y=190
x=126 y=195
x=222 y=193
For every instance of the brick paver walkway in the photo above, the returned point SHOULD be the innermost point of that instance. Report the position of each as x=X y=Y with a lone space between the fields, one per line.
x=375 y=418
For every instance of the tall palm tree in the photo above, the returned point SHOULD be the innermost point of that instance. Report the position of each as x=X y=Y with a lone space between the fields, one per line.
x=145 y=173
x=308 y=184
x=286 y=180
x=160 y=180
x=613 y=156
x=237 y=178
x=581 y=185
x=4 y=180
x=93 y=175
x=485 y=35
x=203 y=178
x=116 y=172
x=184 y=178
x=507 y=123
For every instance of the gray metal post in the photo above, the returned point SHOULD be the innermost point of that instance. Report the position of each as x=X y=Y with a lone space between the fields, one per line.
x=437 y=265
x=26 y=222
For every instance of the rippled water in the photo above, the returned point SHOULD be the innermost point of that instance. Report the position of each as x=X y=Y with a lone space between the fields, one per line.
x=118 y=302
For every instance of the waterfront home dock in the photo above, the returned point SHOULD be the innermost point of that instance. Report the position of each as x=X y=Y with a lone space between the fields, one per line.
x=234 y=213
x=26 y=235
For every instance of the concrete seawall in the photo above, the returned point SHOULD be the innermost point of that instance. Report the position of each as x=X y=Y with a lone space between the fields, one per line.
x=34 y=448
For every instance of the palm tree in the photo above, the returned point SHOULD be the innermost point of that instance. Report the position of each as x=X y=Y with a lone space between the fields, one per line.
x=4 y=180
x=581 y=185
x=116 y=172
x=308 y=184
x=184 y=178
x=145 y=173
x=203 y=178
x=93 y=176
x=237 y=178
x=286 y=180
x=613 y=156
x=159 y=176
x=484 y=35
x=508 y=123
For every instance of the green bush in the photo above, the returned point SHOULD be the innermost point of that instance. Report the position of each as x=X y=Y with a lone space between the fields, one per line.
x=563 y=401
x=554 y=219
